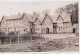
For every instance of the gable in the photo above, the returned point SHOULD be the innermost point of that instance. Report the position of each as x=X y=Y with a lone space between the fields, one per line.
x=59 y=18
x=47 y=19
x=25 y=19
x=2 y=20
x=37 y=21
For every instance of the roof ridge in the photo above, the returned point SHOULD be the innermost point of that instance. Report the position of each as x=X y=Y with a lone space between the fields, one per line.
x=45 y=17
x=37 y=19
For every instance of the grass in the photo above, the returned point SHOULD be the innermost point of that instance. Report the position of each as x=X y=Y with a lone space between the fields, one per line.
x=40 y=45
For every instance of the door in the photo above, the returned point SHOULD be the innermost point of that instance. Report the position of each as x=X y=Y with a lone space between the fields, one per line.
x=47 y=30
x=73 y=30
x=33 y=30
x=55 y=28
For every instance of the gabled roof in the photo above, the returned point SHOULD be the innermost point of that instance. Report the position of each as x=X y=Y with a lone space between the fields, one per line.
x=31 y=18
x=59 y=16
x=2 y=18
x=17 y=17
x=65 y=16
x=26 y=15
x=45 y=18
x=13 y=17
x=36 y=20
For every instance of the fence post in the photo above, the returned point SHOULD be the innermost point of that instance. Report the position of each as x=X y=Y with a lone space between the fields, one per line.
x=0 y=41
x=31 y=39
x=18 y=36
x=10 y=39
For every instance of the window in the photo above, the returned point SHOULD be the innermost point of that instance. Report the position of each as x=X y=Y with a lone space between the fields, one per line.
x=59 y=28
x=37 y=28
x=25 y=30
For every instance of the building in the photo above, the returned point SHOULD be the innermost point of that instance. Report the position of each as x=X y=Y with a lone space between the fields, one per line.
x=76 y=28
x=47 y=24
x=57 y=24
x=15 y=23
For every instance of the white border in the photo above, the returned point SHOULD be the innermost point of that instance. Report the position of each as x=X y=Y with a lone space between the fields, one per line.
x=33 y=0
x=41 y=52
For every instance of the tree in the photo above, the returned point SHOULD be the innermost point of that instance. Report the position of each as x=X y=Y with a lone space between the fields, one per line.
x=76 y=11
x=60 y=10
x=70 y=9
x=73 y=9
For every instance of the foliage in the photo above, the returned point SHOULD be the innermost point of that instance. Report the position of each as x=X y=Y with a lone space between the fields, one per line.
x=60 y=10
x=70 y=9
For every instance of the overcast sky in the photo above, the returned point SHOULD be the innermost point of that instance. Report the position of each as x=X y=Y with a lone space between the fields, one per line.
x=29 y=7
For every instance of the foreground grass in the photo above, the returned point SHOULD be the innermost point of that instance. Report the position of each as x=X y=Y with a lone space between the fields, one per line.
x=42 y=45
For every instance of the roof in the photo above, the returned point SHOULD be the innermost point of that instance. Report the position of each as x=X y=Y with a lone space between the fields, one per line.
x=17 y=17
x=13 y=17
x=38 y=20
x=31 y=18
x=59 y=16
x=65 y=16
x=49 y=18
x=28 y=16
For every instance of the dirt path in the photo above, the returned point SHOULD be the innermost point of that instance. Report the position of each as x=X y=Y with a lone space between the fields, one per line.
x=68 y=49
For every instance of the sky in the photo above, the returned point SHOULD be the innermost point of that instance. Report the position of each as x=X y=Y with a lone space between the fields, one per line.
x=13 y=8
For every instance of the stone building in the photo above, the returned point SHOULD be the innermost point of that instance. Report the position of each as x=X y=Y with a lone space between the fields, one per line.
x=15 y=23
x=57 y=24
x=47 y=24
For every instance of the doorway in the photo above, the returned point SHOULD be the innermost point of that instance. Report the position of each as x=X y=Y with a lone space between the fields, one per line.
x=32 y=30
x=47 y=30
x=73 y=30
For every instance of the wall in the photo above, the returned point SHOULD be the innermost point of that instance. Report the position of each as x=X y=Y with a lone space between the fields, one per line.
x=47 y=24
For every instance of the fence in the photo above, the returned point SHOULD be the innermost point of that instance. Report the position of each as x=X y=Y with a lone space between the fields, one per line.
x=9 y=39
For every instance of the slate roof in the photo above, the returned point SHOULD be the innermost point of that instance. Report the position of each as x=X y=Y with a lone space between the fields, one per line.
x=31 y=18
x=38 y=20
x=49 y=18
x=59 y=16
x=19 y=16
x=65 y=17
x=13 y=17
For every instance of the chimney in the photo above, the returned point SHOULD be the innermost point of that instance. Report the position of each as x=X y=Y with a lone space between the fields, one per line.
x=34 y=14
